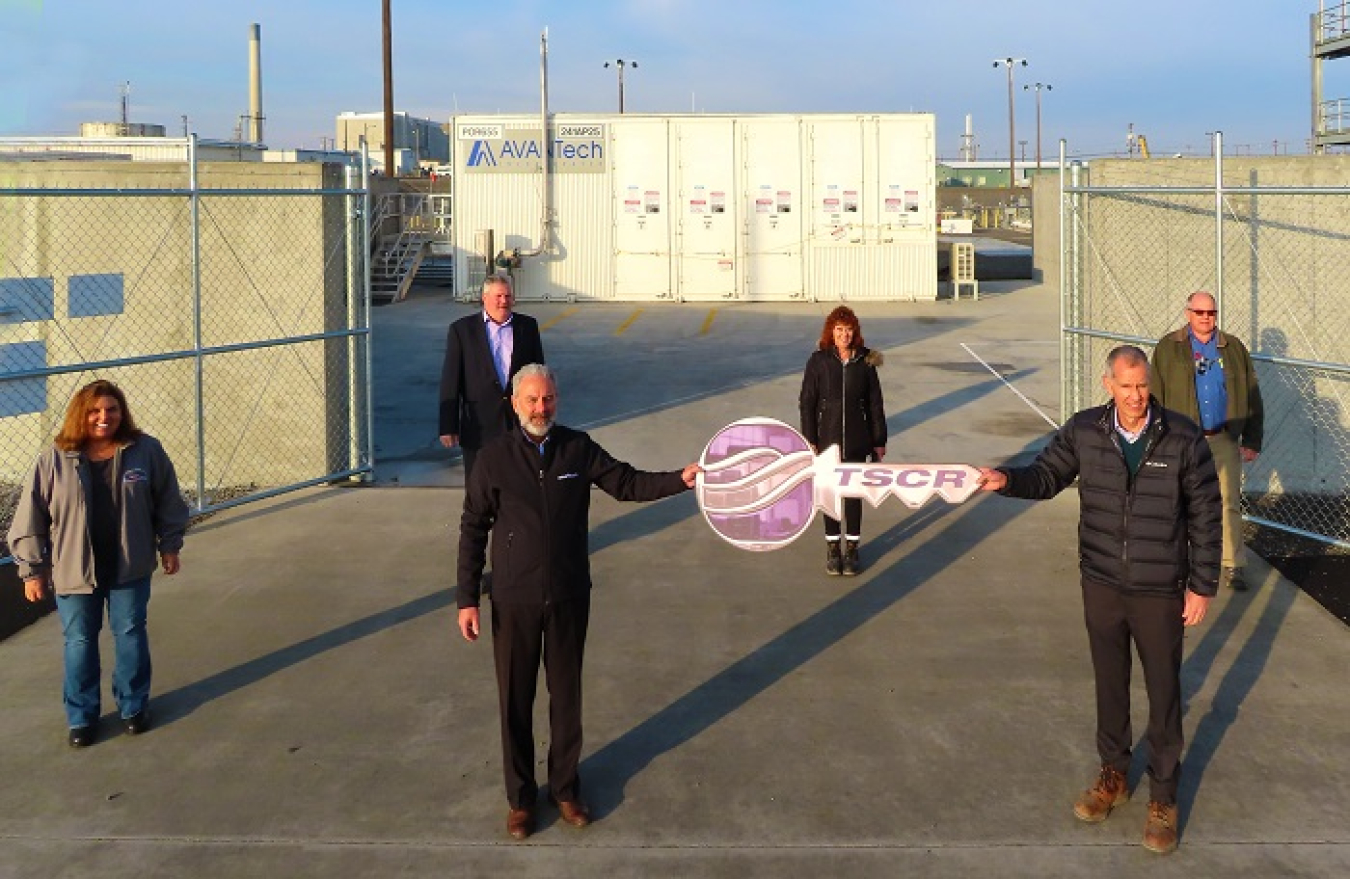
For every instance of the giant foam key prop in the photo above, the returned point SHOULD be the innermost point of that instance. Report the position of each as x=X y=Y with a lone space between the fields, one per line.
x=761 y=484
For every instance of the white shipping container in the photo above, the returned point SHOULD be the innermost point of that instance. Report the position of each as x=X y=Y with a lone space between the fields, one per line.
x=702 y=207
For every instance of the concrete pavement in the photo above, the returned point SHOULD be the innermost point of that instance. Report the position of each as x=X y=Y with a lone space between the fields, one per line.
x=318 y=715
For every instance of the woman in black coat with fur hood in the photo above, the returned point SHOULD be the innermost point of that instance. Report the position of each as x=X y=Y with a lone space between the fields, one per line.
x=841 y=405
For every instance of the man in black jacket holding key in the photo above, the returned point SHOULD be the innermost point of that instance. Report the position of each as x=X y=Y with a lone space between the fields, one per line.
x=531 y=489
x=1149 y=546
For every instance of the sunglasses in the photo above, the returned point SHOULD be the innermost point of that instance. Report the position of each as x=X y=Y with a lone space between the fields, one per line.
x=1203 y=312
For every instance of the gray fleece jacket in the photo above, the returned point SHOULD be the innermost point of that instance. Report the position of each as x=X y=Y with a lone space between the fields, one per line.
x=50 y=533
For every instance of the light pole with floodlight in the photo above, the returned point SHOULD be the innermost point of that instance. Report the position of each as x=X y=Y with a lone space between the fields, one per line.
x=620 y=64
x=1038 y=86
x=1010 y=63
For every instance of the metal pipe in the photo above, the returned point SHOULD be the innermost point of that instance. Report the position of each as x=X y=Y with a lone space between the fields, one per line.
x=546 y=208
x=1341 y=191
x=1290 y=529
x=1316 y=81
x=95 y=365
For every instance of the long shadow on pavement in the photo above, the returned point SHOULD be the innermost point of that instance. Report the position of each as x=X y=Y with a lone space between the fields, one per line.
x=1233 y=690
x=610 y=769
x=179 y=703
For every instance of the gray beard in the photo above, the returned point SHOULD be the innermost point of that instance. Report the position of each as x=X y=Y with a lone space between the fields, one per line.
x=535 y=430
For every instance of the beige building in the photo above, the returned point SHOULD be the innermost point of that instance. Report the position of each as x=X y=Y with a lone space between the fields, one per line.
x=427 y=141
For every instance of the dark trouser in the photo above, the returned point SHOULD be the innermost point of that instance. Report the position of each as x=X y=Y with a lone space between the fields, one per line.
x=521 y=635
x=468 y=455
x=1153 y=622
x=852 y=521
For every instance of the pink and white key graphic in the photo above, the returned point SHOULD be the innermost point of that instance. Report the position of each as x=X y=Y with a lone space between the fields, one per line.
x=761 y=485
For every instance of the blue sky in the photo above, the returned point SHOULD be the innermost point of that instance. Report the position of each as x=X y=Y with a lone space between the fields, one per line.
x=1175 y=69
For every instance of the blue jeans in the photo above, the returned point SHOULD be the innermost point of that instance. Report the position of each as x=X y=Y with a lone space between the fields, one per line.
x=81 y=620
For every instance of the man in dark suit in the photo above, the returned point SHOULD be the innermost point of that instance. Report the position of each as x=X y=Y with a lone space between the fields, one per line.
x=532 y=493
x=482 y=352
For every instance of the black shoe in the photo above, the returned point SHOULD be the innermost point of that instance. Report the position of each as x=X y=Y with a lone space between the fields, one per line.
x=834 y=562
x=850 y=558
x=1233 y=577
x=137 y=723
x=83 y=736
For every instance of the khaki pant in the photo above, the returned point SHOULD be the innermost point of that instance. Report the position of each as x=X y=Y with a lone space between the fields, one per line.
x=1228 y=462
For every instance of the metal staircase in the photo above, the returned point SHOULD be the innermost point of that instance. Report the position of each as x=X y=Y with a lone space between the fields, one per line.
x=409 y=243
x=395 y=264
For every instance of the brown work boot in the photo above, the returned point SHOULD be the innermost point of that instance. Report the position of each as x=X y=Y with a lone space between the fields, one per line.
x=1160 y=833
x=1096 y=803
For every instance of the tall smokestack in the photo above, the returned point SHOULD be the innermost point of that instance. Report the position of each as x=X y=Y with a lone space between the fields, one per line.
x=255 y=113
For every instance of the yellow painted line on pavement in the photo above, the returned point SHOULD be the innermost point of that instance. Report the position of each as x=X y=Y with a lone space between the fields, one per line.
x=566 y=314
x=632 y=318
x=707 y=322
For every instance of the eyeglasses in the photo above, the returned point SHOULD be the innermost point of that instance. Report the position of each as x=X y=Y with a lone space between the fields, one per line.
x=1203 y=312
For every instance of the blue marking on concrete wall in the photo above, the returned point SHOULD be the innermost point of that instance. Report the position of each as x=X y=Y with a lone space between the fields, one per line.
x=26 y=299
x=26 y=395
x=95 y=295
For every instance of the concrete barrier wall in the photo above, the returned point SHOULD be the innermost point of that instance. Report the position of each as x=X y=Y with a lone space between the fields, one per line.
x=99 y=277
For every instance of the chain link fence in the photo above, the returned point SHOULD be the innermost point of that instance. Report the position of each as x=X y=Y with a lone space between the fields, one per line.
x=229 y=300
x=1271 y=241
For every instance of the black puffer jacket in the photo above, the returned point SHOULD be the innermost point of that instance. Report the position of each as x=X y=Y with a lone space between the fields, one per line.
x=1157 y=533
x=841 y=403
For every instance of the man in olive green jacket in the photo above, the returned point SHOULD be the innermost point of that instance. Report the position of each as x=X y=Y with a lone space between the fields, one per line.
x=1207 y=376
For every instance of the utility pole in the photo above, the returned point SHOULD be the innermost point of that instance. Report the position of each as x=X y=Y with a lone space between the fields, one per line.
x=1010 y=63
x=1038 y=86
x=620 y=64
x=388 y=41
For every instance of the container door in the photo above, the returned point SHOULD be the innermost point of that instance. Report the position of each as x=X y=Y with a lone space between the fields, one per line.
x=707 y=209
x=772 y=199
x=836 y=154
x=642 y=212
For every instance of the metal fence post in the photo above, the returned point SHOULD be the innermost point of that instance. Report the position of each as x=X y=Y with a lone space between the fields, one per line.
x=194 y=201
x=1065 y=377
x=355 y=292
x=365 y=308
x=1218 y=222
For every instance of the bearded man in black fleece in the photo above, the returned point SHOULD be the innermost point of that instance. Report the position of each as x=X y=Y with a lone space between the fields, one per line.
x=531 y=489
x=1149 y=539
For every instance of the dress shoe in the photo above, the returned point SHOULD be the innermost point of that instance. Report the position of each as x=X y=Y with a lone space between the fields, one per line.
x=137 y=723
x=574 y=812
x=1232 y=577
x=520 y=823
x=82 y=736
x=1160 y=833
x=1096 y=803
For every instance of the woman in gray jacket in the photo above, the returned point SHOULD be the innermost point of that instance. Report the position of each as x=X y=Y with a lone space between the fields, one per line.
x=100 y=503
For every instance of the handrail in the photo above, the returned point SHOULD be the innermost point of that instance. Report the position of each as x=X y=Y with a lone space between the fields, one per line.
x=1334 y=23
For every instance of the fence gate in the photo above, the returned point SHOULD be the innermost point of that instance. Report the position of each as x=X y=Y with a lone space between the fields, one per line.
x=1138 y=236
